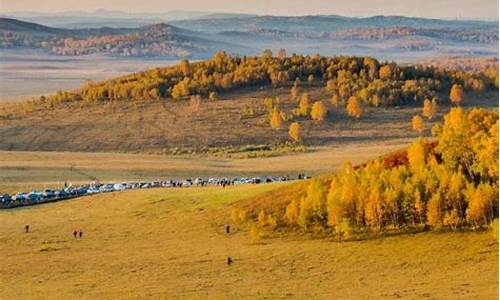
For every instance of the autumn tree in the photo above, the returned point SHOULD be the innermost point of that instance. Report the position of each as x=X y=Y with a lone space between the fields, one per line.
x=181 y=89
x=184 y=67
x=331 y=86
x=335 y=100
x=417 y=155
x=457 y=94
x=483 y=203
x=418 y=124
x=435 y=211
x=276 y=120
x=292 y=212
x=295 y=132
x=353 y=107
x=313 y=207
x=304 y=105
x=318 y=111
x=430 y=108
x=385 y=72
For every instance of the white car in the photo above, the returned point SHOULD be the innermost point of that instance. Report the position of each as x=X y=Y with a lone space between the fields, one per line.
x=119 y=186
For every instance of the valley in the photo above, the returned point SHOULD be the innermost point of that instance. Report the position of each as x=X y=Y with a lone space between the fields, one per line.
x=234 y=155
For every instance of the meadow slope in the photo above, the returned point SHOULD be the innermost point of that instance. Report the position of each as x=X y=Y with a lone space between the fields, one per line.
x=171 y=244
x=23 y=170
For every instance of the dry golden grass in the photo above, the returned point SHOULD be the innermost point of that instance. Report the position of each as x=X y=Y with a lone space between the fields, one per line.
x=26 y=170
x=161 y=126
x=170 y=244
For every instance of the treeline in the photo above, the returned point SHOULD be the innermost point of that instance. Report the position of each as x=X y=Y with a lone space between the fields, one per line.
x=154 y=40
x=373 y=82
x=449 y=183
x=385 y=33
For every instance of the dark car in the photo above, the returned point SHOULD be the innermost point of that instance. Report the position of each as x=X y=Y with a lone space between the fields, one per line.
x=5 y=198
x=48 y=194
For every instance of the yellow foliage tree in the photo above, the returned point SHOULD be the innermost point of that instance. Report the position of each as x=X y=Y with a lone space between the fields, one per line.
x=385 y=72
x=181 y=89
x=335 y=100
x=483 y=201
x=331 y=86
x=419 y=206
x=318 y=111
x=304 y=105
x=292 y=212
x=353 y=107
x=417 y=155
x=418 y=124
x=295 y=132
x=276 y=120
x=430 y=108
x=457 y=94
x=272 y=222
x=435 y=211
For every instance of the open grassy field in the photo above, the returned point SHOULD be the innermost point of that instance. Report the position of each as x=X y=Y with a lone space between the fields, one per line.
x=170 y=244
x=164 y=125
x=27 y=170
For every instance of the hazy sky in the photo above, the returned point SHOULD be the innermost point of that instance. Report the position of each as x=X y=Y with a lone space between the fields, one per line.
x=468 y=9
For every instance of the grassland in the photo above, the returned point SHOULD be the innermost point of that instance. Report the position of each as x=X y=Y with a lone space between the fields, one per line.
x=171 y=244
x=166 y=125
x=21 y=170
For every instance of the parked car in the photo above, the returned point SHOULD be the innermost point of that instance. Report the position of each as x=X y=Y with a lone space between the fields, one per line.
x=5 y=198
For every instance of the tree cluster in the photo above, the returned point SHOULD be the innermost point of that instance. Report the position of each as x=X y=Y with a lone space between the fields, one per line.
x=450 y=183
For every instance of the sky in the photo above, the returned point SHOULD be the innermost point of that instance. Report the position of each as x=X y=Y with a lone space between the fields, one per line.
x=446 y=9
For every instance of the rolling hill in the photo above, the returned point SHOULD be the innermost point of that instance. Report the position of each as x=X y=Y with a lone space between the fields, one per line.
x=201 y=36
x=171 y=244
x=158 y=40
x=225 y=104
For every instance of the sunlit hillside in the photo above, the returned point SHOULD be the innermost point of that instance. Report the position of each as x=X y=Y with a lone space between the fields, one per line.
x=172 y=244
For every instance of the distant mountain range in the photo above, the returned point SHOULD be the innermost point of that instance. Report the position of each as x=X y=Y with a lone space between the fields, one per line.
x=158 y=40
x=112 y=18
x=199 y=35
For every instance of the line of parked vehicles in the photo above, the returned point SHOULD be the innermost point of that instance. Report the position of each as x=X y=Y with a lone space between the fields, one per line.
x=68 y=192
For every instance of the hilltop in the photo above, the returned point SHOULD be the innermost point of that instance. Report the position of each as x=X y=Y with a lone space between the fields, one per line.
x=225 y=105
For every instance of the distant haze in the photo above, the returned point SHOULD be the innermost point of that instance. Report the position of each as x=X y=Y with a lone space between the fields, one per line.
x=445 y=9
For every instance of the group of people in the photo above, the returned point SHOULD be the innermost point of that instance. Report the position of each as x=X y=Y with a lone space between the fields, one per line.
x=76 y=233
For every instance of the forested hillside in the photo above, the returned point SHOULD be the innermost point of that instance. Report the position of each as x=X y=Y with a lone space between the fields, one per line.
x=451 y=183
x=369 y=81
x=158 y=40
x=200 y=38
